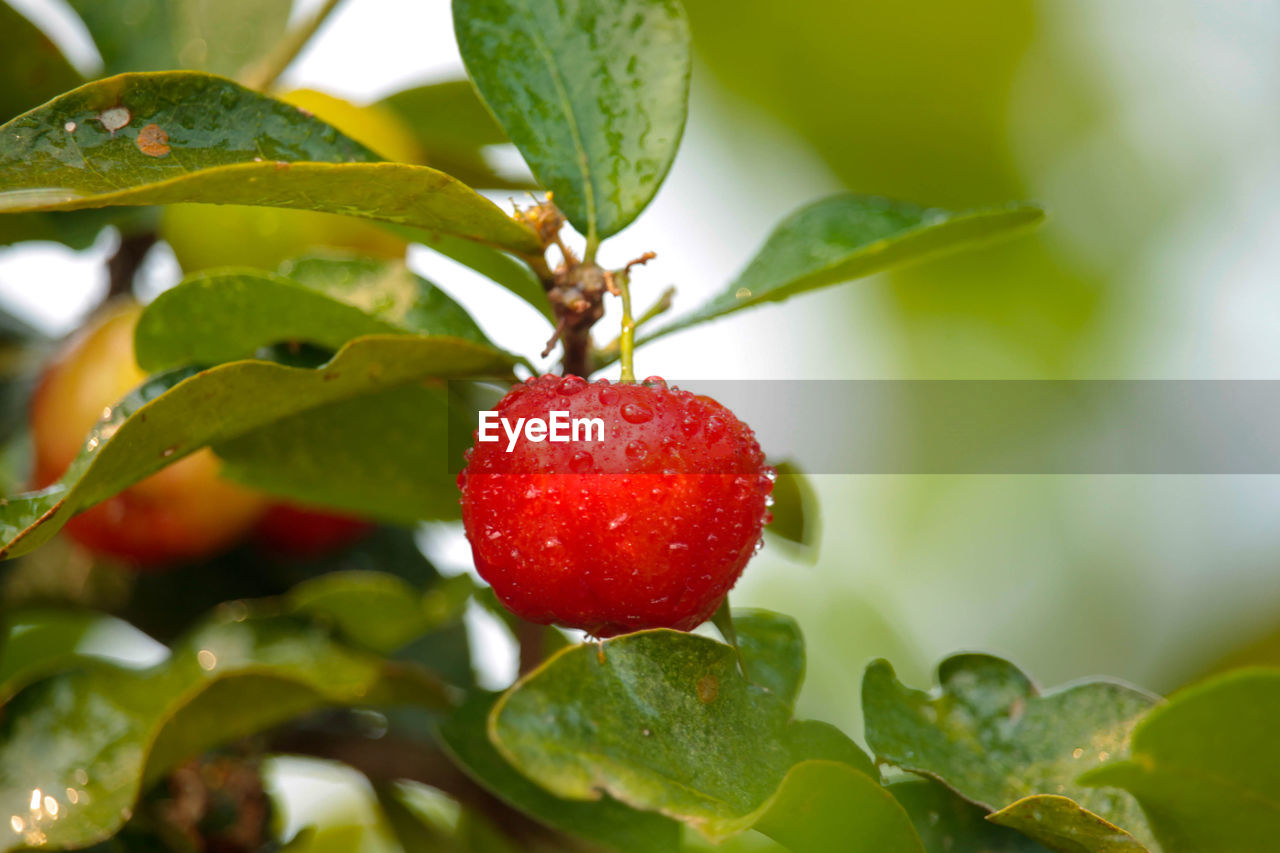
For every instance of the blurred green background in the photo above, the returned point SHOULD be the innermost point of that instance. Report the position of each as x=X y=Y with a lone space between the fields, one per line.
x=1148 y=130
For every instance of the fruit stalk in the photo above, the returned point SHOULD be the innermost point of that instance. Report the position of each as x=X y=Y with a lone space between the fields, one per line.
x=626 y=340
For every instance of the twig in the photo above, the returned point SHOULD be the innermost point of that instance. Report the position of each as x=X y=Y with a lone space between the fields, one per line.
x=122 y=267
x=263 y=74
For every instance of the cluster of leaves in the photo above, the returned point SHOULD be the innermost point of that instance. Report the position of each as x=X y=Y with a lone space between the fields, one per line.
x=619 y=744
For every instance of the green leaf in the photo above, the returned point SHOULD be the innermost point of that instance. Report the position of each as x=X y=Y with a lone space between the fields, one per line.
x=176 y=413
x=224 y=315
x=388 y=291
x=507 y=271
x=850 y=236
x=91 y=739
x=221 y=36
x=1061 y=824
x=773 y=650
x=377 y=611
x=40 y=642
x=593 y=92
x=32 y=69
x=453 y=125
x=823 y=806
x=994 y=739
x=606 y=820
x=949 y=824
x=629 y=716
x=1206 y=765
x=149 y=139
x=796 y=518
x=383 y=455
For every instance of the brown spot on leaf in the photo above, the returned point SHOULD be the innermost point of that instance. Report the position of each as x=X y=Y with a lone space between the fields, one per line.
x=153 y=141
x=708 y=688
x=281 y=165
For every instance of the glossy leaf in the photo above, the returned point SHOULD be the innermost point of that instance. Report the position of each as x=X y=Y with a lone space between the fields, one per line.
x=593 y=92
x=850 y=236
x=38 y=643
x=378 y=611
x=795 y=511
x=949 y=824
x=513 y=274
x=150 y=139
x=177 y=413
x=91 y=739
x=605 y=820
x=828 y=807
x=1061 y=824
x=32 y=69
x=453 y=126
x=631 y=715
x=773 y=651
x=1206 y=765
x=994 y=739
x=383 y=455
x=221 y=36
x=220 y=316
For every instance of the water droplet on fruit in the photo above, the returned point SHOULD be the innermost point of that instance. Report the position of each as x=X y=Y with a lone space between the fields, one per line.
x=635 y=413
x=608 y=396
x=551 y=542
x=618 y=521
x=765 y=485
x=689 y=426
x=495 y=535
x=768 y=500
x=637 y=451
x=759 y=546
x=770 y=474
x=581 y=463
x=571 y=385
x=656 y=382
x=678 y=546
x=767 y=518
x=532 y=492
x=715 y=428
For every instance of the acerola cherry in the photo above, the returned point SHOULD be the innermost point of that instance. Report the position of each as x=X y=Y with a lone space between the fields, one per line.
x=180 y=513
x=648 y=527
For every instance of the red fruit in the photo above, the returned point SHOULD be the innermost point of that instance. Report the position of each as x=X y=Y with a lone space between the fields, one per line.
x=300 y=532
x=648 y=528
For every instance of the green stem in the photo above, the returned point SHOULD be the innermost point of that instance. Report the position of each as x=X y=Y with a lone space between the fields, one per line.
x=627 y=340
x=610 y=351
x=723 y=620
x=264 y=74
